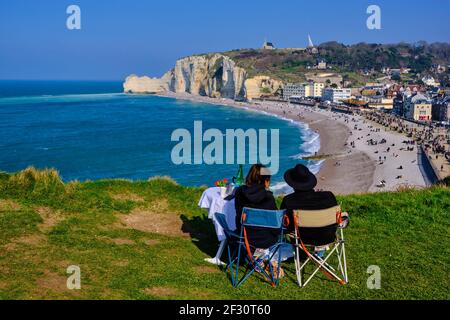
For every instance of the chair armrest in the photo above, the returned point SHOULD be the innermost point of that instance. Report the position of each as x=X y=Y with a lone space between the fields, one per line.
x=345 y=220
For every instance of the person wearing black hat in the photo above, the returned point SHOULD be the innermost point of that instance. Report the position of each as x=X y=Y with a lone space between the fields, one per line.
x=305 y=197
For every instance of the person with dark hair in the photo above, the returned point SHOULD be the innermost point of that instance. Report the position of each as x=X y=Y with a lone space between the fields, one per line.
x=255 y=194
x=305 y=197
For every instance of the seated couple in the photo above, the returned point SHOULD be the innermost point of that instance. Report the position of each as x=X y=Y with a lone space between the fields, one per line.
x=255 y=194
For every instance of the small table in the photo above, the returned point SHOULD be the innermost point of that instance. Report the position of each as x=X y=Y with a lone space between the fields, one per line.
x=214 y=203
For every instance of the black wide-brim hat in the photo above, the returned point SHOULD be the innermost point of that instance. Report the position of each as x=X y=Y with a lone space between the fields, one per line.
x=300 y=178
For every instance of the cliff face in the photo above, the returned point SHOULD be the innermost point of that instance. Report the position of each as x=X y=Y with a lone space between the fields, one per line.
x=213 y=75
x=137 y=84
x=207 y=75
x=261 y=85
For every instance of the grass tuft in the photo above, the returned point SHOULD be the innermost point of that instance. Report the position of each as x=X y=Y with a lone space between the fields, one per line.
x=32 y=182
x=163 y=178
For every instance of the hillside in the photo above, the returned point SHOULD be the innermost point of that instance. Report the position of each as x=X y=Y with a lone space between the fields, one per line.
x=246 y=74
x=290 y=65
x=148 y=239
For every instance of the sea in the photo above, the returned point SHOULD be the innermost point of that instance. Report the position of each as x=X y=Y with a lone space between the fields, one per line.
x=91 y=130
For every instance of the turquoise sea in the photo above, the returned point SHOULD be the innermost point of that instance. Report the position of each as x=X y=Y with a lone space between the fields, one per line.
x=90 y=131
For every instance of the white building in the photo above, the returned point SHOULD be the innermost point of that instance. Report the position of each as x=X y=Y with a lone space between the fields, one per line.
x=336 y=94
x=268 y=45
x=314 y=89
x=311 y=47
x=321 y=65
x=429 y=81
x=294 y=89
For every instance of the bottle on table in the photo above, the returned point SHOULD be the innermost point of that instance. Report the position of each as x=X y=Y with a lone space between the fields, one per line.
x=239 y=179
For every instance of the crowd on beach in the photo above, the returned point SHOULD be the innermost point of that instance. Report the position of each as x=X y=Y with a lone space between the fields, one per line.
x=435 y=141
x=422 y=133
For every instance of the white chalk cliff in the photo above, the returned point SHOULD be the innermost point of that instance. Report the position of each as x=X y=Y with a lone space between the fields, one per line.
x=136 y=84
x=212 y=75
x=261 y=85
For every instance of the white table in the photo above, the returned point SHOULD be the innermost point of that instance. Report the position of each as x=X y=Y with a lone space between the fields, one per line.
x=212 y=201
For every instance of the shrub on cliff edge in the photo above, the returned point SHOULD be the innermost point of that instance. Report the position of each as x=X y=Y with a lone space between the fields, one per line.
x=33 y=182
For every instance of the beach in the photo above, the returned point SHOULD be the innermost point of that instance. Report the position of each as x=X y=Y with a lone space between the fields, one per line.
x=350 y=163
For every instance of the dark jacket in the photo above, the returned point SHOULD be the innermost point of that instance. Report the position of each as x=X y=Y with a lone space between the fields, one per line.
x=311 y=200
x=256 y=196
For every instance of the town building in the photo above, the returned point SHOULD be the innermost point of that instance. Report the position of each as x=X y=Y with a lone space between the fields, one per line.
x=321 y=65
x=418 y=107
x=374 y=86
x=336 y=94
x=440 y=110
x=413 y=88
x=314 y=89
x=399 y=104
x=378 y=102
x=377 y=96
x=395 y=72
x=311 y=47
x=429 y=81
x=438 y=68
x=294 y=89
x=268 y=45
x=308 y=90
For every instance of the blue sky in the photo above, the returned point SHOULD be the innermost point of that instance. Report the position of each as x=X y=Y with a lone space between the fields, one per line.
x=119 y=37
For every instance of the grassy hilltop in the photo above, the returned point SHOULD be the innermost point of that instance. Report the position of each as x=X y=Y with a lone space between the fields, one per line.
x=148 y=239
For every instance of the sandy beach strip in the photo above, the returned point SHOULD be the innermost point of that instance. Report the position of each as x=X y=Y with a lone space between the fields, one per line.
x=348 y=168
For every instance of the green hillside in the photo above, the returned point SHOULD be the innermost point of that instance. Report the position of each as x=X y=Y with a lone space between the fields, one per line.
x=148 y=239
x=290 y=65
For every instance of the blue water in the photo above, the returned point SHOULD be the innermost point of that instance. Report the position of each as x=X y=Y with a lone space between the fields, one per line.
x=18 y=88
x=90 y=130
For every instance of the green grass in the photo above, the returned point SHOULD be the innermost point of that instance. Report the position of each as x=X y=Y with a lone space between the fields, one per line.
x=406 y=234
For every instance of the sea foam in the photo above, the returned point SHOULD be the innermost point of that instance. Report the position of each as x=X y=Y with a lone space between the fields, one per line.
x=65 y=98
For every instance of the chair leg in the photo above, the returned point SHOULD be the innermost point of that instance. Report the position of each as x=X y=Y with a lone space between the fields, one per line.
x=236 y=278
x=231 y=261
x=298 y=269
x=345 y=263
x=344 y=256
x=321 y=265
x=277 y=278
x=246 y=275
x=297 y=260
x=339 y=256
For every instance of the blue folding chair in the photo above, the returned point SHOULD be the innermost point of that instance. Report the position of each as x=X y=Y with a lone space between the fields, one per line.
x=232 y=241
x=238 y=245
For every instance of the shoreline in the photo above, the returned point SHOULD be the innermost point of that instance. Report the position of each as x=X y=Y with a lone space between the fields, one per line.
x=351 y=165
